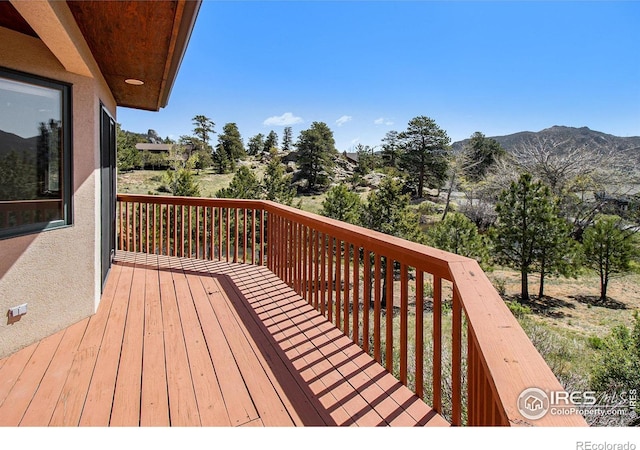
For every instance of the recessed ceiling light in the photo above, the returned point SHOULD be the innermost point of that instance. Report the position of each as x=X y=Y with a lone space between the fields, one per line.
x=134 y=82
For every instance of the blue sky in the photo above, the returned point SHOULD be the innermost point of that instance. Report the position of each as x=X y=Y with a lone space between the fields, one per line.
x=368 y=67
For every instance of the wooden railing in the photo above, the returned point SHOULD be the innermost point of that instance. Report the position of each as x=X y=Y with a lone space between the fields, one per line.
x=430 y=317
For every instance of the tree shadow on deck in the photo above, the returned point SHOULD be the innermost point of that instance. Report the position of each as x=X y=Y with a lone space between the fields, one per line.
x=308 y=343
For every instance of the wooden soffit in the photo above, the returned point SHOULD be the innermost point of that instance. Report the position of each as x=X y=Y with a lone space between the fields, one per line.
x=142 y=40
x=10 y=18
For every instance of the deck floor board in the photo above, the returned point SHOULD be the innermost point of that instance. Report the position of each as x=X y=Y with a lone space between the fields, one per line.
x=186 y=342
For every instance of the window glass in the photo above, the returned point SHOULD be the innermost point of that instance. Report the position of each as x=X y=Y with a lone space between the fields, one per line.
x=34 y=154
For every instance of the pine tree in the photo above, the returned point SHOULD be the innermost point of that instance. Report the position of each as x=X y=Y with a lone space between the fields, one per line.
x=342 y=204
x=391 y=149
x=425 y=155
x=287 y=139
x=316 y=148
x=243 y=185
x=480 y=154
x=204 y=128
x=527 y=212
x=270 y=142
x=229 y=150
x=182 y=182
x=609 y=249
x=277 y=185
x=256 y=144
x=457 y=234
x=557 y=253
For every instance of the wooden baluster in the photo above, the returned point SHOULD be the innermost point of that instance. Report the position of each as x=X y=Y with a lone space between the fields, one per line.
x=316 y=270
x=168 y=230
x=197 y=210
x=338 y=282
x=323 y=273
x=155 y=229
x=220 y=233
x=276 y=234
x=377 y=308
x=121 y=207
x=310 y=288
x=174 y=210
x=190 y=231
x=283 y=239
x=419 y=350
x=228 y=232
x=288 y=258
x=472 y=382
x=437 y=344
x=347 y=278
x=146 y=238
x=456 y=363
x=287 y=262
x=237 y=233
x=389 y=315
x=404 y=324
x=206 y=240
x=245 y=238
x=157 y=219
x=183 y=221
x=299 y=259
x=134 y=247
x=263 y=223
x=356 y=295
x=253 y=236
x=305 y=263
x=366 y=307
x=330 y=280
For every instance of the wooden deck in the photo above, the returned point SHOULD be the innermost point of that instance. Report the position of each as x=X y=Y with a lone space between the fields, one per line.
x=185 y=342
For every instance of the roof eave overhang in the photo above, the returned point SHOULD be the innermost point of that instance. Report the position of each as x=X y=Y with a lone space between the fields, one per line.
x=103 y=39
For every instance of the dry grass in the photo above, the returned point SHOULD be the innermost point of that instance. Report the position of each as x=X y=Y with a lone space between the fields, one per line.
x=572 y=304
x=149 y=181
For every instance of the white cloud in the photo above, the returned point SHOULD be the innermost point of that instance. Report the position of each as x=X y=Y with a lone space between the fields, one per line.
x=283 y=120
x=383 y=121
x=355 y=141
x=344 y=119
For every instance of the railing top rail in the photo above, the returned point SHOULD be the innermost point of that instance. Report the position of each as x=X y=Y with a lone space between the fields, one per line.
x=192 y=201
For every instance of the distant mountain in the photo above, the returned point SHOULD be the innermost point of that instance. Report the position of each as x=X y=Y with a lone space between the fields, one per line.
x=11 y=142
x=571 y=138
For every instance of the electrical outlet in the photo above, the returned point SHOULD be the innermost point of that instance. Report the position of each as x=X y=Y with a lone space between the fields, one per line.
x=18 y=310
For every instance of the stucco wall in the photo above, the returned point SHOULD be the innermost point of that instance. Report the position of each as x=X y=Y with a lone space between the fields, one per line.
x=56 y=272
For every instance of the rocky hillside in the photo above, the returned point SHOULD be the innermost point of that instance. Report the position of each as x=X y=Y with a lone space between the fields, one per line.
x=569 y=137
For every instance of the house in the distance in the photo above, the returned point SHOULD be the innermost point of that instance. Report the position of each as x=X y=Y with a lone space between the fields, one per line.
x=154 y=148
x=64 y=68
